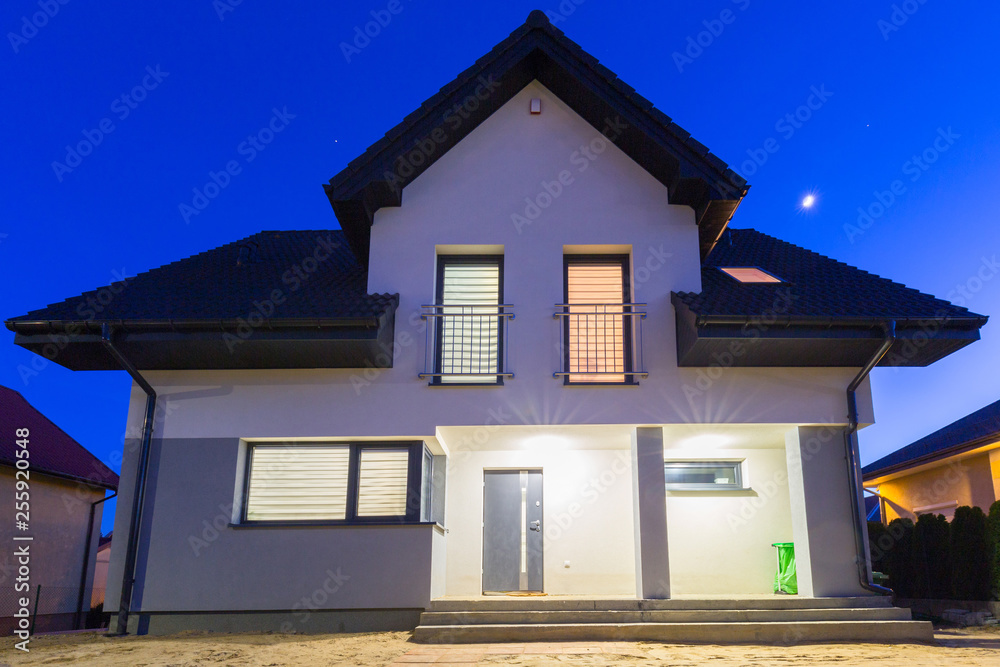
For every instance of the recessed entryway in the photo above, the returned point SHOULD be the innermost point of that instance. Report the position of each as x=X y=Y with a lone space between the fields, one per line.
x=512 y=531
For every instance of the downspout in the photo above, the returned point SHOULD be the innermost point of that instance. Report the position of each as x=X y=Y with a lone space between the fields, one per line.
x=138 y=495
x=854 y=465
x=86 y=558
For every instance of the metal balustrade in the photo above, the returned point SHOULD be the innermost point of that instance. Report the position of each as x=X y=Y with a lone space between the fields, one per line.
x=602 y=342
x=466 y=343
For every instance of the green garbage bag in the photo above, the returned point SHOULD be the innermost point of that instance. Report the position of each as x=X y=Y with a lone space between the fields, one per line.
x=784 y=578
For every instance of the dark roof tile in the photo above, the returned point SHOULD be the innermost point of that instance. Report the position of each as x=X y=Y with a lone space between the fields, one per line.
x=818 y=286
x=214 y=285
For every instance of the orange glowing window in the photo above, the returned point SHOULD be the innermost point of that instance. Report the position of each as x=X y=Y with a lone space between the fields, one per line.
x=749 y=274
x=597 y=332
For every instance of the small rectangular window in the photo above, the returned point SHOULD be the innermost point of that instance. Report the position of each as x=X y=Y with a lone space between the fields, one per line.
x=703 y=475
x=426 y=486
x=749 y=274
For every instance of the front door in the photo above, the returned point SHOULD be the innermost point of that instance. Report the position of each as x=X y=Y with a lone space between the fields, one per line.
x=512 y=531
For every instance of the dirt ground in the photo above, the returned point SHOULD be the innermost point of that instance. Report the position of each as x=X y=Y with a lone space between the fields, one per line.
x=953 y=648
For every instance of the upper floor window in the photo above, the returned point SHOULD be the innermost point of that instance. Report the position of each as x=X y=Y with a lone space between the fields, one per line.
x=469 y=321
x=598 y=321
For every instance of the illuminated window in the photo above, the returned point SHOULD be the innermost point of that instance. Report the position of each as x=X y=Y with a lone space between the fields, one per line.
x=749 y=274
x=597 y=333
x=703 y=475
x=469 y=338
x=337 y=483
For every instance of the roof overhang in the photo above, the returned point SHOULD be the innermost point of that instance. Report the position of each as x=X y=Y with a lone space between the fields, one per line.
x=814 y=342
x=537 y=51
x=933 y=460
x=215 y=344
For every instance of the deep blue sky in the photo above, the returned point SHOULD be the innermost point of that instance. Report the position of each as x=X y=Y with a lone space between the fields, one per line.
x=118 y=210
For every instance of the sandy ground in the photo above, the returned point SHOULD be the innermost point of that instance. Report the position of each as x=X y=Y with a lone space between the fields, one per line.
x=953 y=648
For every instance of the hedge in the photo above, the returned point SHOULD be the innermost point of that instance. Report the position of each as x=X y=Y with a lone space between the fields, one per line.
x=935 y=559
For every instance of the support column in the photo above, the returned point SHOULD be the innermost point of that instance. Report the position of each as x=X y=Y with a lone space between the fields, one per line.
x=822 y=524
x=995 y=472
x=649 y=507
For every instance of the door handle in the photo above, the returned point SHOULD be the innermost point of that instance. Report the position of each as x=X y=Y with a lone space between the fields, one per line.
x=536 y=526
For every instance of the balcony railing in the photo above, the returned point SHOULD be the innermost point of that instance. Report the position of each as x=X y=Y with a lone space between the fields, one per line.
x=602 y=342
x=466 y=343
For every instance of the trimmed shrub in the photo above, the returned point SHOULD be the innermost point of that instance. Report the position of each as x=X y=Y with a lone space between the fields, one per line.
x=993 y=545
x=970 y=561
x=892 y=553
x=932 y=558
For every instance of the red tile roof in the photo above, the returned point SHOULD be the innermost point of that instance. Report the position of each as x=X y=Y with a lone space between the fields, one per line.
x=50 y=449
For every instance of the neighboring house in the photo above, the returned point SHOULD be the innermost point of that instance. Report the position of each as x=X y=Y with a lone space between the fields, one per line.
x=101 y=570
x=66 y=485
x=351 y=424
x=954 y=466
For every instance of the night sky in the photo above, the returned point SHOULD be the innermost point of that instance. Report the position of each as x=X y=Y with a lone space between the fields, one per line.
x=903 y=99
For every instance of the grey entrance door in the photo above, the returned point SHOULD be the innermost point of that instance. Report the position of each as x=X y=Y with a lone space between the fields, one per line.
x=512 y=531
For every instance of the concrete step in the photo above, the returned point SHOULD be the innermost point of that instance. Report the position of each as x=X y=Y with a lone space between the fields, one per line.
x=768 y=632
x=504 y=603
x=662 y=616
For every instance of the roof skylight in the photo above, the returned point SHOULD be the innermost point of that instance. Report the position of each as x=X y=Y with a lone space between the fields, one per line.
x=749 y=274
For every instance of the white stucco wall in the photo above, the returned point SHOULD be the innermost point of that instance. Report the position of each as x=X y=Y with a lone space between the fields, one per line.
x=720 y=541
x=587 y=500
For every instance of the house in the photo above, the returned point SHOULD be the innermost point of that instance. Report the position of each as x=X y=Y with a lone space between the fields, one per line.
x=101 y=565
x=954 y=466
x=535 y=370
x=62 y=487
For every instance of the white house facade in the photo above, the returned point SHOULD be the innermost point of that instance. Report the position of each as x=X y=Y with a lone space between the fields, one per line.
x=535 y=362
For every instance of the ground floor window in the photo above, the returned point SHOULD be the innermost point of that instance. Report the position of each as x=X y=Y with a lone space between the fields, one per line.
x=703 y=475
x=337 y=482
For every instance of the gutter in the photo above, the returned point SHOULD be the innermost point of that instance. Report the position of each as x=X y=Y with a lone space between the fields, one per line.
x=86 y=559
x=871 y=322
x=854 y=465
x=138 y=495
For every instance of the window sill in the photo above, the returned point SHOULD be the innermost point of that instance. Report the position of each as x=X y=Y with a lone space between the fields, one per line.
x=333 y=524
x=711 y=491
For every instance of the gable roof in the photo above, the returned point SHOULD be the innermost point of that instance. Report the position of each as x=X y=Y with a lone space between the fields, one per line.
x=979 y=428
x=264 y=290
x=839 y=308
x=535 y=51
x=50 y=449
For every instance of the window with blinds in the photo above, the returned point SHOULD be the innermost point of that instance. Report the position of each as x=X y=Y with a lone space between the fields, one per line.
x=469 y=331
x=354 y=482
x=596 y=330
x=298 y=483
x=382 y=476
